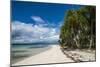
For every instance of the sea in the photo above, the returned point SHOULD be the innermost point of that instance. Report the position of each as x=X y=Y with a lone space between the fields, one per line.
x=22 y=51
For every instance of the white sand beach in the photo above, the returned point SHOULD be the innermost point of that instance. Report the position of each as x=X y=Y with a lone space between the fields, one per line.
x=53 y=55
x=81 y=55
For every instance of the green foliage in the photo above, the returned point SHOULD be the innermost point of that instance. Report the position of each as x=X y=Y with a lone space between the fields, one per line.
x=78 y=30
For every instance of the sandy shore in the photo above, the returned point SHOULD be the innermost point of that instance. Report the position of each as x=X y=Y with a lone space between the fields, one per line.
x=81 y=55
x=53 y=55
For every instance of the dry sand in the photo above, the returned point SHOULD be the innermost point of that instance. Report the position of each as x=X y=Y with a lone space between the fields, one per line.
x=56 y=55
x=53 y=55
x=81 y=55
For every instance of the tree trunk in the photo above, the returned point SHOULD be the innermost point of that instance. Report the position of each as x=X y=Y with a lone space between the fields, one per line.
x=91 y=41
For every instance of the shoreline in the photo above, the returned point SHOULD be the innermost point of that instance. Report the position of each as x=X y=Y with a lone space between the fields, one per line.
x=53 y=55
x=57 y=55
x=38 y=51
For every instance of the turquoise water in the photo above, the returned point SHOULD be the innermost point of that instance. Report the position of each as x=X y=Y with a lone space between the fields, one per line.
x=22 y=51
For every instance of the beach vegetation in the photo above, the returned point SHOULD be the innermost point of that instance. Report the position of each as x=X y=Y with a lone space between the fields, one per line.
x=79 y=28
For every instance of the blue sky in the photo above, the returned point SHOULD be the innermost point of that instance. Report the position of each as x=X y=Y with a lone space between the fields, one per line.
x=33 y=21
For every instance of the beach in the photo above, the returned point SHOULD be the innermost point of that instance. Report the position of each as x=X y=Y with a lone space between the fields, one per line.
x=21 y=52
x=56 y=55
x=81 y=55
x=52 y=55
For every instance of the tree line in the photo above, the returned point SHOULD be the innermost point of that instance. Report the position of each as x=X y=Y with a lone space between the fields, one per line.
x=79 y=28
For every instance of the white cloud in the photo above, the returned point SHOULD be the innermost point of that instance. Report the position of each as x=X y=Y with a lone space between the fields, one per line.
x=23 y=32
x=38 y=19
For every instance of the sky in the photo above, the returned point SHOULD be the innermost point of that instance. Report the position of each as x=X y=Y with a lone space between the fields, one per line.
x=37 y=22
